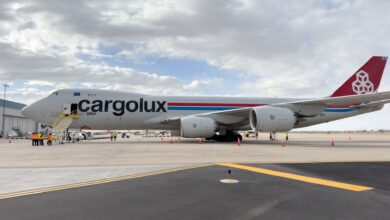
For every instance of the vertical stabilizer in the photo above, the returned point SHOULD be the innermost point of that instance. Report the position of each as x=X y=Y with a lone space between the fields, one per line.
x=364 y=80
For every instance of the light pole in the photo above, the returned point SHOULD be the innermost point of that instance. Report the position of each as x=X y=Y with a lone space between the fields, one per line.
x=5 y=91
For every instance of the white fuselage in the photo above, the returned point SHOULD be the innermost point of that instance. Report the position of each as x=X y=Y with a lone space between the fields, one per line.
x=109 y=110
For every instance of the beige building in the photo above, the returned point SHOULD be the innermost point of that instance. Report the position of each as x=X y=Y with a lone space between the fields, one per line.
x=15 y=124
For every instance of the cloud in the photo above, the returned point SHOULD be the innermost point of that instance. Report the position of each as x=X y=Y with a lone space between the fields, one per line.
x=261 y=39
x=287 y=48
x=198 y=84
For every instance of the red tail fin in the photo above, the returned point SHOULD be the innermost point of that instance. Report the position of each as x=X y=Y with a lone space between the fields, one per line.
x=364 y=80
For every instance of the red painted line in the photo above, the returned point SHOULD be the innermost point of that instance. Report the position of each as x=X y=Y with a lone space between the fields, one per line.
x=350 y=106
x=214 y=104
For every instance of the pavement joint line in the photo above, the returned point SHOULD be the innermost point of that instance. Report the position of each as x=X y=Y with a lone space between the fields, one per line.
x=98 y=182
x=302 y=178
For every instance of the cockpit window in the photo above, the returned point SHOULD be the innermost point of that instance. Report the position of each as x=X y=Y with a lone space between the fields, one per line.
x=55 y=93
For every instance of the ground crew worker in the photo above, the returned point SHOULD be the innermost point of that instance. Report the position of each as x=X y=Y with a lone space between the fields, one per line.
x=40 y=137
x=286 y=136
x=49 y=139
x=37 y=140
x=34 y=137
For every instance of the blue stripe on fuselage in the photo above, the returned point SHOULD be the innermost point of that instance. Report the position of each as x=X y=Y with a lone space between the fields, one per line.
x=219 y=108
x=339 y=109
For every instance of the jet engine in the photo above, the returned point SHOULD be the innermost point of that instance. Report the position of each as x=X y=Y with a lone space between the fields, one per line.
x=269 y=118
x=195 y=126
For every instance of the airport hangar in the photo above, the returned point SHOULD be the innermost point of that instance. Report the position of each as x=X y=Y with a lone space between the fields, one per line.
x=15 y=124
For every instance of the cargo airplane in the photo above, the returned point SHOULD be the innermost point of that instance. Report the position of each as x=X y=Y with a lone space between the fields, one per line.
x=217 y=118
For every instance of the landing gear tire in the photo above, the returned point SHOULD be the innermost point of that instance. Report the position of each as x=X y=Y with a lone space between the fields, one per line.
x=229 y=137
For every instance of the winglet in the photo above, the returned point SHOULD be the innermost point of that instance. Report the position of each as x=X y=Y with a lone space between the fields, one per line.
x=364 y=80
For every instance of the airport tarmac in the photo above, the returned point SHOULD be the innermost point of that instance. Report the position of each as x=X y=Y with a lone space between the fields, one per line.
x=198 y=194
x=150 y=178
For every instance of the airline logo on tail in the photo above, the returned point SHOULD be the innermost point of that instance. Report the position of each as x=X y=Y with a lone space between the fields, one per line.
x=365 y=80
x=362 y=84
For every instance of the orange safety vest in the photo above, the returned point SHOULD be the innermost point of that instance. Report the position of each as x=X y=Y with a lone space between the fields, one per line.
x=34 y=136
x=50 y=137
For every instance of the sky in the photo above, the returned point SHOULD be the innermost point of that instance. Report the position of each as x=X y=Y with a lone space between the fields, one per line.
x=267 y=48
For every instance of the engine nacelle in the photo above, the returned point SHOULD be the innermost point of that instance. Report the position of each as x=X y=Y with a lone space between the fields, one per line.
x=195 y=127
x=268 y=118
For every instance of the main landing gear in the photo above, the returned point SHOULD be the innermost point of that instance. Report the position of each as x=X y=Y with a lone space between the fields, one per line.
x=229 y=136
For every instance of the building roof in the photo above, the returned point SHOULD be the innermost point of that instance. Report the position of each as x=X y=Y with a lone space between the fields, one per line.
x=11 y=104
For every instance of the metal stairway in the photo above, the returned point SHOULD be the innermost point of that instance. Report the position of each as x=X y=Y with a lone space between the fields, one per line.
x=60 y=125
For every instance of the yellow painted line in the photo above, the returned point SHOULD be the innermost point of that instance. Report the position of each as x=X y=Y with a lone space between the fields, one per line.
x=306 y=179
x=96 y=182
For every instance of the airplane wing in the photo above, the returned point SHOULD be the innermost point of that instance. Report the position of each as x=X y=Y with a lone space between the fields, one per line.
x=317 y=106
x=306 y=108
x=347 y=100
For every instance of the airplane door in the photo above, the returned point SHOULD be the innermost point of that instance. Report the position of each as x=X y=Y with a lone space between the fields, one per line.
x=73 y=108
x=66 y=109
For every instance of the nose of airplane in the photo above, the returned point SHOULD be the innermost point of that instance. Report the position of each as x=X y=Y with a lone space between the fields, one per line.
x=27 y=112
x=34 y=112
